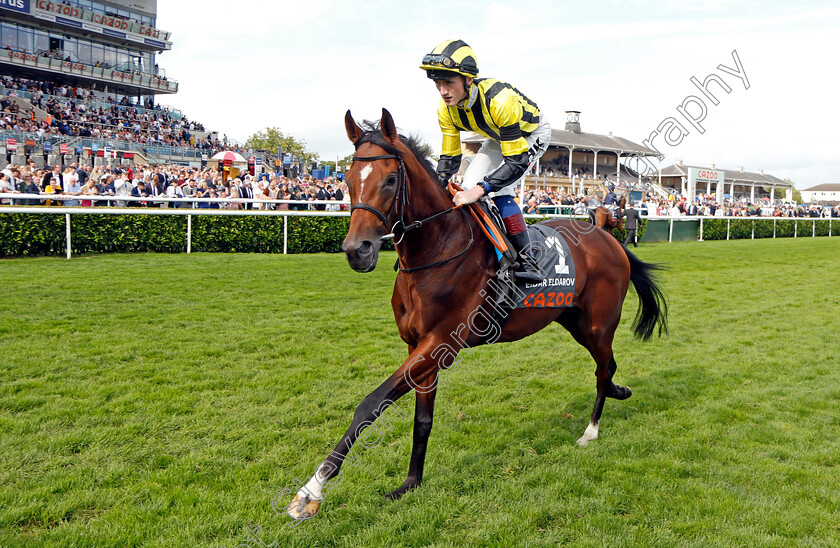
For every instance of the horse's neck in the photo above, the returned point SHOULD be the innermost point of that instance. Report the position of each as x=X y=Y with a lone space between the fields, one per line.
x=426 y=197
x=440 y=235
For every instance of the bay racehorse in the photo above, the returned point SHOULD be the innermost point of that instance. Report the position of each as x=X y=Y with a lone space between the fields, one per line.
x=602 y=218
x=440 y=296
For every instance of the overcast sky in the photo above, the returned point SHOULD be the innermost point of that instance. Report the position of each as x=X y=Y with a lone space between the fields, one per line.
x=244 y=66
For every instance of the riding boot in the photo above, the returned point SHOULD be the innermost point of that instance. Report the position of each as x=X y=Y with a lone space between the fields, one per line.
x=527 y=270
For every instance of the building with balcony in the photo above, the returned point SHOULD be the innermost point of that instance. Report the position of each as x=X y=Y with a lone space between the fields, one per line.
x=79 y=82
x=109 y=46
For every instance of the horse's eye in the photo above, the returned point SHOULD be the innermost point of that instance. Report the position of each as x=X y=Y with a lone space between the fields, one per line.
x=391 y=180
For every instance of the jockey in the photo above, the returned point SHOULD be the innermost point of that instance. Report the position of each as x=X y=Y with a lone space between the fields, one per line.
x=611 y=201
x=516 y=136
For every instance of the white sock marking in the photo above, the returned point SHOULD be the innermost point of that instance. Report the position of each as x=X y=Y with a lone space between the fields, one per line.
x=590 y=434
x=314 y=487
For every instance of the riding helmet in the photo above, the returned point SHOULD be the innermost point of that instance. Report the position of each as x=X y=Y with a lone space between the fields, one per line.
x=450 y=56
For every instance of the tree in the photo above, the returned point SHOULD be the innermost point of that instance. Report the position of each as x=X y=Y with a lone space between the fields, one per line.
x=271 y=138
x=345 y=162
x=781 y=193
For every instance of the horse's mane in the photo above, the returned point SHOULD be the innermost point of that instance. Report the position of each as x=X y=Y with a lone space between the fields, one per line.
x=415 y=145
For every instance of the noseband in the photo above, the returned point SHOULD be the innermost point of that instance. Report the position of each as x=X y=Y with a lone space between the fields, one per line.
x=399 y=203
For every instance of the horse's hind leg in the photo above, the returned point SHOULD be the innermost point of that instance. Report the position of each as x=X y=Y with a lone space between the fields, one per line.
x=597 y=338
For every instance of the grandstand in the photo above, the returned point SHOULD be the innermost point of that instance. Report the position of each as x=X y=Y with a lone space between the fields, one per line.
x=735 y=184
x=80 y=81
x=576 y=161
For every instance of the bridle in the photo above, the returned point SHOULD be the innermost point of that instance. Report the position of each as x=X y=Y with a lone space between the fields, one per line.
x=400 y=202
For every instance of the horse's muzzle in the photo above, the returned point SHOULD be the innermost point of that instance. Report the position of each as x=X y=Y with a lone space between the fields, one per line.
x=362 y=255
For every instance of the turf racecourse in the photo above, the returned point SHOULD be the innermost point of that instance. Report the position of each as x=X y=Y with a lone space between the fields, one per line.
x=163 y=400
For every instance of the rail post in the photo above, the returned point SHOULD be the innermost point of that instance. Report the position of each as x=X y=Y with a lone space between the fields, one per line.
x=285 y=234
x=67 y=225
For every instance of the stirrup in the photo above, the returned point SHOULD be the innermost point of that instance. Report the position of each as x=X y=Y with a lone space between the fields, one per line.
x=526 y=272
x=528 y=276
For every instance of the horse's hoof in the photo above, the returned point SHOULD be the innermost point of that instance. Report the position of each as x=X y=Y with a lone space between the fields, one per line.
x=623 y=392
x=619 y=392
x=590 y=434
x=397 y=493
x=303 y=507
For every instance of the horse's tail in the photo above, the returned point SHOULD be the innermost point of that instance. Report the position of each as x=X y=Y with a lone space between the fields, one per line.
x=592 y=217
x=653 y=308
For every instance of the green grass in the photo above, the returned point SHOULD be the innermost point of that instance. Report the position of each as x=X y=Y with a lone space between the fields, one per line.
x=163 y=400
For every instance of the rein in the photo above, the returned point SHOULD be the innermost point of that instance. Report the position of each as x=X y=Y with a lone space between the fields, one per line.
x=400 y=202
x=444 y=261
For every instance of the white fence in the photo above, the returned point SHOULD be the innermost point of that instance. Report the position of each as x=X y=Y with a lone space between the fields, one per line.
x=182 y=211
x=189 y=212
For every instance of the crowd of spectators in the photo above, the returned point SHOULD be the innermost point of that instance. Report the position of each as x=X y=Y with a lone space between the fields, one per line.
x=76 y=111
x=69 y=185
x=539 y=201
x=560 y=169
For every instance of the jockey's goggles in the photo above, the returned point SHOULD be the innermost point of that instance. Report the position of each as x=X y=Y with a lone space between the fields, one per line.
x=439 y=66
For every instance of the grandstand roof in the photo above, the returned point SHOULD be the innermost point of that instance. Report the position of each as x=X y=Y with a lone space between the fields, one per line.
x=587 y=141
x=572 y=137
x=731 y=175
x=596 y=141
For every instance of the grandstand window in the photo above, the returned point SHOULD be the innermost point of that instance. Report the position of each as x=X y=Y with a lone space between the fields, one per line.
x=26 y=41
x=8 y=35
x=97 y=53
x=42 y=41
x=71 y=48
x=22 y=37
x=85 y=54
x=110 y=55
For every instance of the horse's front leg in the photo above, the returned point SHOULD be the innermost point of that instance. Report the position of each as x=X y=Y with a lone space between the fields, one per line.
x=424 y=411
x=418 y=370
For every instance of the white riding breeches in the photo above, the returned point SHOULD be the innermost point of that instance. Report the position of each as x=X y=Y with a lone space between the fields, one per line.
x=489 y=158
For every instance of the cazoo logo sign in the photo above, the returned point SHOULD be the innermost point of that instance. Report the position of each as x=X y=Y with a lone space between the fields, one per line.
x=705 y=174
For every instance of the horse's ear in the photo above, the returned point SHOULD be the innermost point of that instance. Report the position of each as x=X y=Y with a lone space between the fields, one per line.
x=354 y=132
x=386 y=124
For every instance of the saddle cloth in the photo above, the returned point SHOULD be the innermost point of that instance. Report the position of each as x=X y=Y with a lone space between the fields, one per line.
x=554 y=261
x=549 y=250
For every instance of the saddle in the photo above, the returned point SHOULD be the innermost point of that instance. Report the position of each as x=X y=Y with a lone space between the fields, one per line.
x=490 y=220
